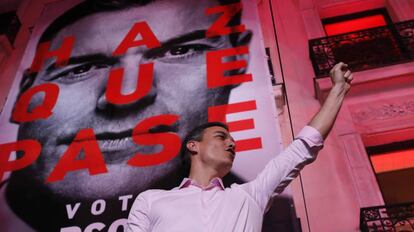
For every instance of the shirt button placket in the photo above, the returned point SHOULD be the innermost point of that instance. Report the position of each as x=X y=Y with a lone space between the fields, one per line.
x=204 y=210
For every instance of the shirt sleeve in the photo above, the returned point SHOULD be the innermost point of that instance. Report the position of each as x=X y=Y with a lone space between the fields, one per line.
x=282 y=169
x=138 y=218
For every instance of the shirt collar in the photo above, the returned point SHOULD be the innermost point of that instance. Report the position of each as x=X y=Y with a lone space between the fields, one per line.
x=215 y=182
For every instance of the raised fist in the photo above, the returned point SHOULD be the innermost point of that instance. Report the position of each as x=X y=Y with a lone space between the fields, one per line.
x=341 y=76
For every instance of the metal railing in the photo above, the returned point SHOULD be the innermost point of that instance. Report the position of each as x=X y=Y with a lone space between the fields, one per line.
x=393 y=218
x=364 y=49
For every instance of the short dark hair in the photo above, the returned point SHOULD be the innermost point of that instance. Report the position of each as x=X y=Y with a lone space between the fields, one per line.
x=196 y=134
x=89 y=7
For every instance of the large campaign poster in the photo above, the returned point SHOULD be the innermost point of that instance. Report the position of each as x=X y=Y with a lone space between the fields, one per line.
x=105 y=93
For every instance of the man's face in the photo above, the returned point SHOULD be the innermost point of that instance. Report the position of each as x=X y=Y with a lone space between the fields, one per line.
x=179 y=87
x=216 y=149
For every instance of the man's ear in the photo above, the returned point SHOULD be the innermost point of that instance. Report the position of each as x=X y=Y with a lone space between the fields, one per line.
x=192 y=146
x=243 y=38
x=26 y=82
x=239 y=40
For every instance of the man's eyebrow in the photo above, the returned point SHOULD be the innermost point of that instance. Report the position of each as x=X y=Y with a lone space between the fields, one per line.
x=194 y=35
x=227 y=135
x=220 y=132
x=89 y=58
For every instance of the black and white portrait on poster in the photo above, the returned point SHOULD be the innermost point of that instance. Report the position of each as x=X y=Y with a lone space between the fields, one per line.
x=105 y=92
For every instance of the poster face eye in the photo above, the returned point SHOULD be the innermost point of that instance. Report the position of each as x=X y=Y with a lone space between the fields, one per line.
x=185 y=51
x=182 y=53
x=80 y=72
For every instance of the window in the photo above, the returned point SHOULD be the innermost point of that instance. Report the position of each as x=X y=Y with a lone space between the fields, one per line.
x=393 y=165
x=355 y=22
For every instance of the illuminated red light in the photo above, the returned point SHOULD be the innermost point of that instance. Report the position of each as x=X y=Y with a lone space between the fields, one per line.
x=354 y=24
x=392 y=161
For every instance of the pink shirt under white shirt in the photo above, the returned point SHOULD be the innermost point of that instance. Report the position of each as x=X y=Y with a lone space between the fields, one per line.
x=190 y=207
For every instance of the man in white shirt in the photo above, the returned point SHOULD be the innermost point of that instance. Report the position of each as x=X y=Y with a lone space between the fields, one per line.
x=201 y=203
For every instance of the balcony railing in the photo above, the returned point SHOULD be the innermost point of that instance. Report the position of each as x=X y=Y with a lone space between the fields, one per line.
x=365 y=49
x=395 y=218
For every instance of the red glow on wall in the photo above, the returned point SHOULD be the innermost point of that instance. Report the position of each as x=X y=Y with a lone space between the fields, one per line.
x=392 y=161
x=355 y=24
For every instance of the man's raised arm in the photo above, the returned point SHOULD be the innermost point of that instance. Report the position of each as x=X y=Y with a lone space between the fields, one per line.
x=282 y=169
x=341 y=78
